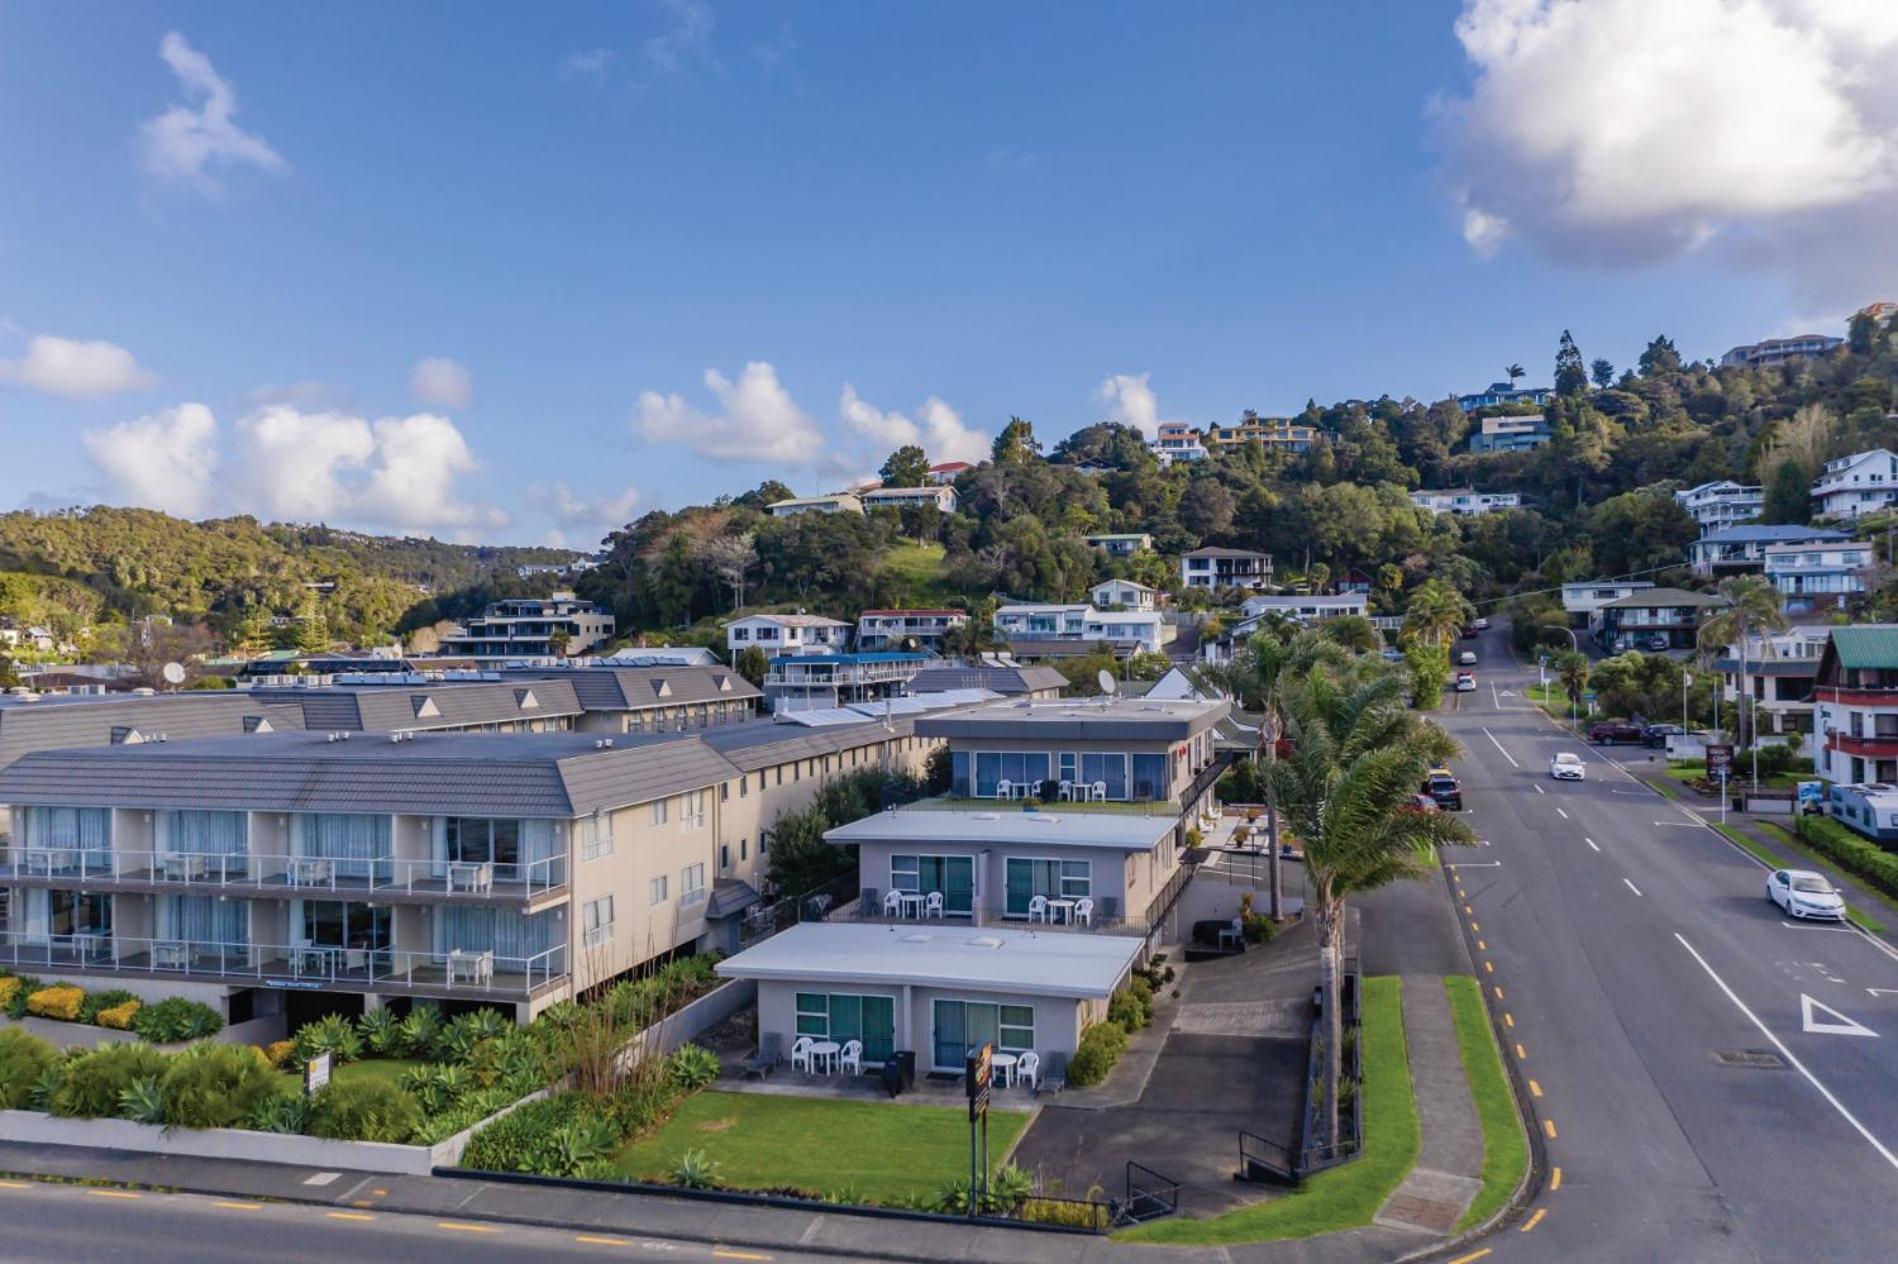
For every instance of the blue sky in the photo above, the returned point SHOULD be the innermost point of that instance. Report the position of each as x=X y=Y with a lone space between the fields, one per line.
x=231 y=233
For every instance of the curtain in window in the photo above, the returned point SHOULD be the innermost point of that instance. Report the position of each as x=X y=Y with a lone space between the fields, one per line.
x=504 y=932
x=69 y=829
x=359 y=844
x=1150 y=776
x=1110 y=768
x=203 y=833
x=34 y=909
x=203 y=919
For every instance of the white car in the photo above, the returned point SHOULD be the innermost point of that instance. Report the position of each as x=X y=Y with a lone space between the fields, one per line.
x=1801 y=893
x=1481 y=625
x=1467 y=658
x=1568 y=766
x=1465 y=682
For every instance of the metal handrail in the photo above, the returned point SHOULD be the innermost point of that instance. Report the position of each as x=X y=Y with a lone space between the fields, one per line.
x=329 y=873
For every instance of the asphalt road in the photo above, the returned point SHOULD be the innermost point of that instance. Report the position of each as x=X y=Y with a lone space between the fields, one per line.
x=1666 y=1015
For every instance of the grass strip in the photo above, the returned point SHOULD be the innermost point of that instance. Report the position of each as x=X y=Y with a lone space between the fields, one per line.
x=1772 y=860
x=1505 y=1151
x=1344 y=1197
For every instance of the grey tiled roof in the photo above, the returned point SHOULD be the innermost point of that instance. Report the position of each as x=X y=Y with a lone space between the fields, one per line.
x=386 y=708
x=764 y=743
x=65 y=722
x=638 y=688
x=1002 y=680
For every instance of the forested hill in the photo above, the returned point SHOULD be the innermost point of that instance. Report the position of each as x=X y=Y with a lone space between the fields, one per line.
x=1598 y=497
x=82 y=566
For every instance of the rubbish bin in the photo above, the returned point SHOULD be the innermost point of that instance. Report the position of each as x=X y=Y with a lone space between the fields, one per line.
x=899 y=1071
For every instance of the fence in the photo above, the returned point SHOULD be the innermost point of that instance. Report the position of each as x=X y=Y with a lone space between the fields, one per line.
x=1149 y=1195
x=762 y=921
x=1264 y=1160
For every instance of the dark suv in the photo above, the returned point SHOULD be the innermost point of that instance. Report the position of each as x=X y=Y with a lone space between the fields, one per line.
x=1444 y=789
x=1610 y=733
x=1657 y=734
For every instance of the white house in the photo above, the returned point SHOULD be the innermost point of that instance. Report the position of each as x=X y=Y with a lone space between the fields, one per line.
x=1121 y=545
x=1082 y=624
x=941 y=495
x=1862 y=483
x=1743 y=548
x=1721 y=504
x=1177 y=441
x=1305 y=609
x=782 y=634
x=949 y=471
x=1585 y=597
x=1213 y=567
x=1123 y=592
x=1819 y=574
x=1465 y=502
x=837 y=502
x=1143 y=629
x=896 y=629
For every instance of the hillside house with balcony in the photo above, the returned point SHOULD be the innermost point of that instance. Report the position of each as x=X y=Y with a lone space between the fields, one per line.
x=1742 y=550
x=1856 y=705
x=530 y=627
x=815 y=682
x=1856 y=485
x=907 y=629
x=1656 y=619
x=783 y=634
x=1818 y=576
x=1722 y=504
x=1214 y=568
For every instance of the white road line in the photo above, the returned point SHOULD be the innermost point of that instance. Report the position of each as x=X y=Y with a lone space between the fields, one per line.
x=1632 y=887
x=1540 y=790
x=1591 y=843
x=1797 y=1065
x=1559 y=812
x=1499 y=746
x=1494 y=701
x=1477 y=864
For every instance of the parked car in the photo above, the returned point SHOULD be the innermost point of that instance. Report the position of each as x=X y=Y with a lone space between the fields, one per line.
x=1801 y=894
x=1466 y=682
x=1467 y=658
x=1392 y=654
x=1420 y=803
x=1610 y=732
x=1568 y=766
x=1658 y=643
x=1481 y=625
x=1444 y=789
x=1469 y=633
x=1657 y=734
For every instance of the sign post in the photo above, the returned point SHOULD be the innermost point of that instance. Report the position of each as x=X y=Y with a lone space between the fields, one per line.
x=978 y=1072
x=316 y=1074
x=1720 y=769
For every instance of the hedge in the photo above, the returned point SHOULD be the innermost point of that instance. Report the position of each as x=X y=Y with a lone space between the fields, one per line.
x=1855 y=854
x=1094 y=1057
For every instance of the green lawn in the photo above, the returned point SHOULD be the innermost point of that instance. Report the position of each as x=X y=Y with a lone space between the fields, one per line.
x=876 y=1151
x=1505 y=1151
x=1344 y=1197
x=390 y=1069
x=917 y=570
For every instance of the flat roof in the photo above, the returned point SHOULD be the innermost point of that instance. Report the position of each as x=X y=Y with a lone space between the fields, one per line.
x=938 y=954
x=1118 y=831
x=1084 y=719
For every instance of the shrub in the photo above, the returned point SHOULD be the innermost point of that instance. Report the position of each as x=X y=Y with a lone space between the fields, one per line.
x=515 y=1059
x=1851 y=852
x=12 y=986
x=284 y=1112
x=62 y=1001
x=695 y=1170
x=332 y=1034
x=693 y=1067
x=381 y=1031
x=94 y=1082
x=216 y=1086
x=523 y=1141
x=420 y=1030
x=1094 y=1057
x=582 y=1142
x=363 y=1110
x=118 y=1017
x=96 y=1001
x=142 y=1101
x=24 y=1058
x=174 y=1019
x=281 y=1054
x=459 y=1038
x=1258 y=928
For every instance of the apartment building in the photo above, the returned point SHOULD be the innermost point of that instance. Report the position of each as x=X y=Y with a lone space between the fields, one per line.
x=1772 y=351
x=652 y=699
x=1276 y=433
x=1655 y=619
x=531 y=627
x=1852 y=486
x=1722 y=504
x=813 y=682
x=907 y=629
x=1856 y=713
x=1817 y=576
x=1742 y=550
x=1465 y=503
x=1213 y=567
x=781 y=634
x=1510 y=434
x=1781 y=672
x=941 y=495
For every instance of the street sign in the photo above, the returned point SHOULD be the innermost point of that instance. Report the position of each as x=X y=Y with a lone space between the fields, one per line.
x=1720 y=761
x=316 y=1073
x=978 y=1072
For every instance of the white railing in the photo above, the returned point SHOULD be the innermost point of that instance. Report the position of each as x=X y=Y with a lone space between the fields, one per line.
x=304 y=964
x=319 y=873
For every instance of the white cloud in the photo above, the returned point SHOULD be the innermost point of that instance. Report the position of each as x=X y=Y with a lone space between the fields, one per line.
x=290 y=462
x=1628 y=131
x=1133 y=402
x=189 y=143
x=594 y=515
x=162 y=461
x=689 y=35
x=759 y=422
x=440 y=382
x=594 y=64
x=68 y=366
x=937 y=428
x=412 y=477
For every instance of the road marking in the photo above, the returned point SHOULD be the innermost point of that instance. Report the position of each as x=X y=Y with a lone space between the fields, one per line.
x=239 y=1206
x=1559 y=812
x=15 y=1184
x=1471 y=1257
x=1499 y=994
x=1522 y=1054
x=459 y=1227
x=1685 y=824
x=1548 y=1129
x=1843 y=1027
x=1535 y=1090
x=723 y=1254
x=322 y=1178
x=113 y=1193
x=1539 y=789
x=1836 y=930
x=1535 y=1219
x=1468 y=909
x=1499 y=746
x=1481 y=946
x=1799 y=1066
x=1555 y=1178
x=349 y=1215
x=1882 y=991
x=1474 y=926
x=594 y=1240
x=1591 y=843
x=1632 y=887
x=1477 y=864
x=1489 y=967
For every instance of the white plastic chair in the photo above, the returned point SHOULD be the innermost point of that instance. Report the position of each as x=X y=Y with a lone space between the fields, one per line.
x=1083 y=911
x=893 y=903
x=1028 y=1069
x=1100 y=792
x=932 y=904
x=852 y=1056
x=1038 y=909
x=1005 y=789
x=801 y=1054
x=1067 y=791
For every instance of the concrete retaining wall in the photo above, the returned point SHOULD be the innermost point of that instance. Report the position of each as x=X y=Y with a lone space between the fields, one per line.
x=694 y=1020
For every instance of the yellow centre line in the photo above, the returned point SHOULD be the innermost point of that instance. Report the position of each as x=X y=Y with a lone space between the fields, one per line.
x=1535 y=1219
x=1509 y=1020
x=593 y=1240
x=1535 y=1090
x=457 y=1226
x=1548 y=1128
x=1555 y=1178
x=723 y=1254
x=1499 y=994
x=1471 y=1257
x=113 y=1193
x=1489 y=967
x=349 y=1215
x=239 y=1206
x=1522 y=1054
x=15 y=1184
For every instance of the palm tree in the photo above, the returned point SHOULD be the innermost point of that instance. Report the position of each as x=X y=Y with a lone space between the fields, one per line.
x=1572 y=668
x=969 y=640
x=1753 y=609
x=1437 y=613
x=1513 y=372
x=1359 y=755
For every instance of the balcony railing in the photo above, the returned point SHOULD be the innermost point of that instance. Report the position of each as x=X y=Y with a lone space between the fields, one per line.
x=279 y=873
x=306 y=965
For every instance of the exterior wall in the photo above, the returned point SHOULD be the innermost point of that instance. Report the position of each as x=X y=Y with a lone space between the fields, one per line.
x=1058 y=1020
x=1130 y=885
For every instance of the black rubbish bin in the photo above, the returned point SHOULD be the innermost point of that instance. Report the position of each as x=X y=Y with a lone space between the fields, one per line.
x=899 y=1071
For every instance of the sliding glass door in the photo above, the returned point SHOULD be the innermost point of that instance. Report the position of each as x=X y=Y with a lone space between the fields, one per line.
x=844 y=1017
x=954 y=876
x=1028 y=877
x=964 y=1026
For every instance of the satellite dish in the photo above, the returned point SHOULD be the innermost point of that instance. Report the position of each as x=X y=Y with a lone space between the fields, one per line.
x=1106 y=681
x=174 y=673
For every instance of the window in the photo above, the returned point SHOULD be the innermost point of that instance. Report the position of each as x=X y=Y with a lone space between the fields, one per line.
x=953 y=876
x=1015 y=767
x=656 y=890
x=692 y=810
x=780 y=771
x=846 y=1017
x=1108 y=768
x=1150 y=776
x=724 y=791
x=724 y=857
x=692 y=885
x=596 y=836
x=962 y=1026
x=744 y=787
x=598 y=919
x=744 y=846
x=741 y=634
x=659 y=811
x=1027 y=877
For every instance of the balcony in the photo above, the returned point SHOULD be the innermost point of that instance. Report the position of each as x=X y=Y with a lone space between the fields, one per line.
x=534 y=883
x=1058 y=916
x=1880 y=746
x=451 y=974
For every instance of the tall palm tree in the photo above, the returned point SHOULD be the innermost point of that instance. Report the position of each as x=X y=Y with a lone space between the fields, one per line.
x=1514 y=371
x=1753 y=609
x=1437 y=613
x=1359 y=755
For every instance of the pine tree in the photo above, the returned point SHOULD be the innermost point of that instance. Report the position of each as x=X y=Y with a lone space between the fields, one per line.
x=1602 y=372
x=1571 y=378
x=313 y=627
x=1788 y=494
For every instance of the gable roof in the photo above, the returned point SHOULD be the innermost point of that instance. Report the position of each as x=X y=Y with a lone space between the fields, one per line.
x=1764 y=533
x=636 y=688
x=1002 y=680
x=1664 y=597
x=1864 y=645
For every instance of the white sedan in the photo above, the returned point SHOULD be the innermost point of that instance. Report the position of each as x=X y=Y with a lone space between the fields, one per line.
x=1801 y=893
x=1568 y=766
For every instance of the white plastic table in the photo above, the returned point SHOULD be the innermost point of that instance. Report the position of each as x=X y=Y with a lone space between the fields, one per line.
x=911 y=903
x=827 y=1051
x=1004 y=1064
x=1064 y=907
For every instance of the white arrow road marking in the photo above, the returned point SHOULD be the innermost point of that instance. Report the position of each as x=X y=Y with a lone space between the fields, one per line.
x=1508 y=693
x=1844 y=1027
x=1882 y=991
